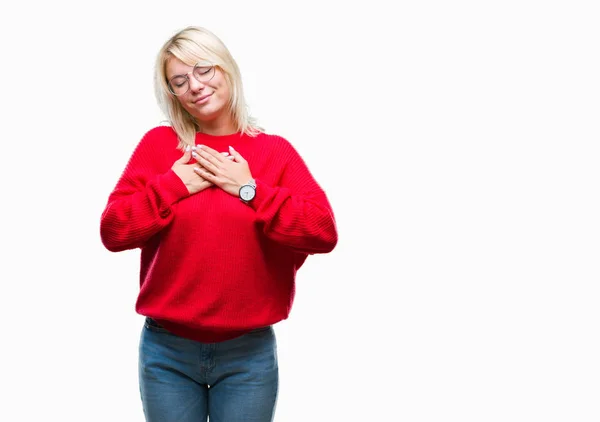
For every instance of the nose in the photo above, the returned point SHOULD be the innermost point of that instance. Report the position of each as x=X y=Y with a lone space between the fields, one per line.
x=195 y=84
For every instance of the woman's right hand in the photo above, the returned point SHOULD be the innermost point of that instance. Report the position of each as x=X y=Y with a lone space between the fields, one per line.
x=192 y=180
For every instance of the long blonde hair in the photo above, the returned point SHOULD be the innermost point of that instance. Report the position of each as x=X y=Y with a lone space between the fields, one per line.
x=191 y=45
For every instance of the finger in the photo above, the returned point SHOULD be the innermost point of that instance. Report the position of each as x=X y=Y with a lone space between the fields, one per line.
x=204 y=181
x=209 y=152
x=205 y=174
x=210 y=155
x=236 y=155
x=206 y=163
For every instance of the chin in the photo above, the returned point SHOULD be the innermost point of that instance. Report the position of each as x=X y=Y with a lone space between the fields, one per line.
x=209 y=113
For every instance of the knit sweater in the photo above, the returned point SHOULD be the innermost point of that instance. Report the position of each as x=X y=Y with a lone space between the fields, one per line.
x=213 y=267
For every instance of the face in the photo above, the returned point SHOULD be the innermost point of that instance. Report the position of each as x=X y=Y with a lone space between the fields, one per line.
x=206 y=101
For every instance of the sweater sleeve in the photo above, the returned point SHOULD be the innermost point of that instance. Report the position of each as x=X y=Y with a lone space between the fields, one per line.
x=296 y=212
x=141 y=203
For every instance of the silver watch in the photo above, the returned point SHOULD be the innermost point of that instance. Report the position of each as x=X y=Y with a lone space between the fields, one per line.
x=248 y=191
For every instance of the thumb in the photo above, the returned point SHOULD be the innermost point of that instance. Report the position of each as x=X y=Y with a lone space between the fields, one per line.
x=187 y=155
x=236 y=155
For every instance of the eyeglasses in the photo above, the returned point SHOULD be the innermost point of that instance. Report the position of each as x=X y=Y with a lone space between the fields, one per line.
x=180 y=84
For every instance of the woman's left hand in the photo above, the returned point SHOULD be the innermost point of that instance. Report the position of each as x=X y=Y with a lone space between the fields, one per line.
x=227 y=172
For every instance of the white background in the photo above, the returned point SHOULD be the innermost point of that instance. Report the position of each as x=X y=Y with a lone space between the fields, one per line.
x=457 y=141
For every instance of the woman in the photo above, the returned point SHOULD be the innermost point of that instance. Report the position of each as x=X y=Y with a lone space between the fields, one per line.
x=224 y=215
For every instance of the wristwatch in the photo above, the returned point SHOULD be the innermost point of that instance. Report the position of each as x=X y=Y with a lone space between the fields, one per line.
x=248 y=191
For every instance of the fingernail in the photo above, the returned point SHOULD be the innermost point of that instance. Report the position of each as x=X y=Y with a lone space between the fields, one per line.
x=194 y=155
x=199 y=146
x=231 y=148
x=187 y=148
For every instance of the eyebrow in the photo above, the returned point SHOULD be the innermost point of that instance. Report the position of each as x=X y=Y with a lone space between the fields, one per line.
x=174 y=76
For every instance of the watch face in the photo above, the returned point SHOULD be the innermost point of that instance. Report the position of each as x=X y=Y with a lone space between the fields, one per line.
x=247 y=192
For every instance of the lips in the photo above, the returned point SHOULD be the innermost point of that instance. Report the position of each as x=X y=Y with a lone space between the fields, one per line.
x=202 y=98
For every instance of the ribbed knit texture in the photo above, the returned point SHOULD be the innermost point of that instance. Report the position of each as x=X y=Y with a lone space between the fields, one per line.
x=213 y=267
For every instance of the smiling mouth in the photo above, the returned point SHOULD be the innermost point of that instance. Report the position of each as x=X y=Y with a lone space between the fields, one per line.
x=204 y=97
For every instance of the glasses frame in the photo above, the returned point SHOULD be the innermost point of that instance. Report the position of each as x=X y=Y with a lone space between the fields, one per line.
x=187 y=77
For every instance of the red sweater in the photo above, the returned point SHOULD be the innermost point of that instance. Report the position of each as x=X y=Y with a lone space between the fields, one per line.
x=213 y=267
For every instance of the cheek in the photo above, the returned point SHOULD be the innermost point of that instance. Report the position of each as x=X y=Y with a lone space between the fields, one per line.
x=223 y=87
x=185 y=105
x=224 y=91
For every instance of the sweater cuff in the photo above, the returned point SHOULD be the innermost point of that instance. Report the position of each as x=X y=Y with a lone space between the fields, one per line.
x=263 y=191
x=171 y=188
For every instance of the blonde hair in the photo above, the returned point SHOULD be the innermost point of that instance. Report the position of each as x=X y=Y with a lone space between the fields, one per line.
x=192 y=45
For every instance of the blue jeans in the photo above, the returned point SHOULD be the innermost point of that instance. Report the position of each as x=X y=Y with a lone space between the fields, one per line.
x=184 y=380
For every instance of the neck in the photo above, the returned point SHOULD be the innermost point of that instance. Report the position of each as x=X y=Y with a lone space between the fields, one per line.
x=219 y=127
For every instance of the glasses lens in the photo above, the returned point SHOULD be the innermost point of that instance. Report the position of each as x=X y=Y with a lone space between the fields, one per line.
x=178 y=85
x=204 y=73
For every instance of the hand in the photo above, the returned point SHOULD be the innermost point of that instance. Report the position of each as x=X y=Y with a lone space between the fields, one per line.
x=193 y=181
x=228 y=173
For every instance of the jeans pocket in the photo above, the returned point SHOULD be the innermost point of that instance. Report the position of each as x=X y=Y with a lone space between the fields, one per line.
x=154 y=326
